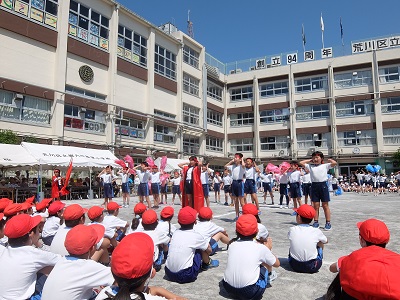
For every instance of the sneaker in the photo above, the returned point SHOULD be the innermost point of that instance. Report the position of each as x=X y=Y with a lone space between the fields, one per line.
x=293 y=213
x=286 y=206
x=316 y=224
x=272 y=276
x=328 y=226
x=259 y=212
x=264 y=202
x=280 y=206
x=231 y=204
x=226 y=204
x=213 y=263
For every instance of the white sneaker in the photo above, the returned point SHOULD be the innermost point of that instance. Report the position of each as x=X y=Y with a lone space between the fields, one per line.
x=286 y=206
x=272 y=276
x=280 y=206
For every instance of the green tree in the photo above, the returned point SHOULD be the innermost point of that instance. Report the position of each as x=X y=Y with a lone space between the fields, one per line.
x=8 y=137
x=396 y=156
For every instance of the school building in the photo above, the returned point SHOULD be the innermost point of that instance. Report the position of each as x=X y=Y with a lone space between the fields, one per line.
x=95 y=74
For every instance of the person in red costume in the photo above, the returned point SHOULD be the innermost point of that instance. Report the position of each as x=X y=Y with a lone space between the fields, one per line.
x=56 y=184
x=192 y=189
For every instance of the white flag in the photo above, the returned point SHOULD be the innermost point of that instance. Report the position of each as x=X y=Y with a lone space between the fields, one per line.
x=322 y=23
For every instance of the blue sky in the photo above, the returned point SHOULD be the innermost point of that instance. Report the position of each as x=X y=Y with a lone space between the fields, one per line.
x=237 y=30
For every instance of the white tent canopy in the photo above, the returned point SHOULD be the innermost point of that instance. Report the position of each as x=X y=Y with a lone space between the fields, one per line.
x=15 y=156
x=61 y=155
x=172 y=163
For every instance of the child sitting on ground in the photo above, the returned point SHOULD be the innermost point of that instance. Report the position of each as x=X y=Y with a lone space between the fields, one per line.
x=53 y=222
x=112 y=221
x=165 y=226
x=138 y=210
x=96 y=215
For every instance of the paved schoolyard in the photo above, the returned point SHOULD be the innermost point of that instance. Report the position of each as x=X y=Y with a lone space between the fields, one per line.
x=347 y=210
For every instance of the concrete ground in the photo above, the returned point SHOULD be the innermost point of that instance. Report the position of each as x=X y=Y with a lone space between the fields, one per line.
x=347 y=210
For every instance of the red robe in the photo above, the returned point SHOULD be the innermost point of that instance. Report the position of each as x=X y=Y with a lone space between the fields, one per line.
x=198 y=195
x=55 y=188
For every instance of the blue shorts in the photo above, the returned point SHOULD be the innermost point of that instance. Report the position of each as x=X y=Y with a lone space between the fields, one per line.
x=217 y=187
x=237 y=188
x=295 y=190
x=306 y=189
x=176 y=189
x=125 y=187
x=283 y=189
x=206 y=190
x=382 y=184
x=155 y=188
x=188 y=274
x=189 y=187
x=108 y=190
x=214 y=246
x=143 y=189
x=227 y=189
x=319 y=192
x=163 y=189
x=267 y=187
x=254 y=291
x=250 y=186
x=311 y=266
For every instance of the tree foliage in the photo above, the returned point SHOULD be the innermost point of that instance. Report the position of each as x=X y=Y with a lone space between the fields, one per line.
x=8 y=137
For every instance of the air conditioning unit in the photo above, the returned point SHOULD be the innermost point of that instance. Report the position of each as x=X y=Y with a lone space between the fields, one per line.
x=283 y=152
x=358 y=132
x=18 y=97
x=232 y=71
x=312 y=150
x=315 y=136
x=82 y=110
x=238 y=70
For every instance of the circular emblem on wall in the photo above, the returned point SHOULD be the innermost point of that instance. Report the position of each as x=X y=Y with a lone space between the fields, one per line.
x=86 y=73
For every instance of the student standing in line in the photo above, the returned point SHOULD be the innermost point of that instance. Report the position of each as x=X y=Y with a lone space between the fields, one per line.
x=205 y=173
x=267 y=181
x=192 y=190
x=283 y=189
x=176 y=187
x=108 y=177
x=124 y=173
x=217 y=180
x=295 y=186
x=250 y=186
x=155 y=185
x=227 y=182
x=144 y=176
x=237 y=168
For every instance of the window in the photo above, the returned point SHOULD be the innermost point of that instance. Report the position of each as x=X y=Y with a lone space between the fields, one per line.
x=312 y=112
x=42 y=11
x=274 y=89
x=191 y=56
x=274 y=115
x=242 y=119
x=84 y=119
x=311 y=84
x=190 y=84
x=305 y=141
x=130 y=128
x=214 y=91
x=391 y=136
x=389 y=74
x=244 y=93
x=190 y=114
x=354 y=108
x=26 y=109
x=275 y=143
x=191 y=145
x=357 y=138
x=356 y=78
x=390 y=105
x=164 y=134
x=165 y=62
x=164 y=114
x=132 y=46
x=214 y=144
x=85 y=93
x=240 y=145
x=214 y=117
x=88 y=25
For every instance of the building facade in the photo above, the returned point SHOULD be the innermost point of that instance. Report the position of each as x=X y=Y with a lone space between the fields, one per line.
x=94 y=74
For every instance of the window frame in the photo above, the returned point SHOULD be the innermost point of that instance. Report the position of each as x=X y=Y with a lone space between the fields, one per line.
x=130 y=128
x=190 y=114
x=274 y=116
x=214 y=144
x=214 y=91
x=240 y=119
x=272 y=143
x=129 y=54
x=93 y=121
x=191 y=56
x=164 y=62
x=353 y=79
x=366 y=105
x=314 y=111
x=301 y=83
x=388 y=108
x=191 y=144
x=191 y=85
x=164 y=134
x=214 y=117
x=242 y=145
x=351 y=138
x=384 y=77
x=244 y=93
x=273 y=89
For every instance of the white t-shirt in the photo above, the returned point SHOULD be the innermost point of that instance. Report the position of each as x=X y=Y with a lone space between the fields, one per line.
x=303 y=242
x=182 y=247
x=57 y=245
x=18 y=270
x=294 y=176
x=164 y=227
x=155 y=177
x=250 y=173
x=107 y=178
x=318 y=173
x=51 y=226
x=75 y=279
x=284 y=178
x=237 y=171
x=244 y=260
x=113 y=222
x=207 y=228
x=204 y=177
x=143 y=176
x=227 y=180
x=159 y=238
x=306 y=178
x=189 y=173
x=108 y=232
x=217 y=179
x=267 y=178
x=102 y=295
x=176 y=181
x=124 y=177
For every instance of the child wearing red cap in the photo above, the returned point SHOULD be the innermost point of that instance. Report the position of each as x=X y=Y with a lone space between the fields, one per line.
x=189 y=251
x=237 y=168
x=132 y=268
x=24 y=269
x=370 y=272
x=211 y=231
x=165 y=226
x=306 y=242
x=176 y=187
x=138 y=210
x=112 y=221
x=96 y=215
x=53 y=222
x=191 y=187
x=248 y=279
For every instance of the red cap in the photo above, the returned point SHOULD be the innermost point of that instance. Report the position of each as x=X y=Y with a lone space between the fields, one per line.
x=12 y=209
x=20 y=225
x=246 y=225
x=250 y=209
x=26 y=205
x=30 y=199
x=1 y=216
x=133 y=257
x=95 y=212
x=149 y=217
x=374 y=231
x=187 y=215
x=43 y=204
x=4 y=202
x=55 y=207
x=74 y=212
x=306 y=211
x=113 y=205
x=139 y=208
x=205 y=213
x=81 y=238
x=371 y=273
x=167 y=212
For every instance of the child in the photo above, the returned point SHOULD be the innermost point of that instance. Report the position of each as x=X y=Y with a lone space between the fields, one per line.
x=227 y=182
x=112 y=221
x=306 y=184
x=188 y=250
x=319 y=188
x=96 y=215
x=57 y=184
x=237 y=168
x=283 y=189
x=306 y=242
x=138 y=210
x=295 y=189
x=164 y=225
x=267 y=180
x=211 y=231
x=176 y=187
x=205 y=173
x=248 y=279
x=164 y=187
x=53 y=222
x=144 y=176
x=250 y=183
x=155 y=185
x=192 y=190
x=125 y=186
x=217 y=187
x=108 y=177
x=75 y=276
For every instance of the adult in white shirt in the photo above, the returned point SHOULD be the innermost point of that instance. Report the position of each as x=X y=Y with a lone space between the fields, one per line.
x=237 y=169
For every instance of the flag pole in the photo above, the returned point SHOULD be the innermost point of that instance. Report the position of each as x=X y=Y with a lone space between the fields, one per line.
x=303 y=37
x=322 y=31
